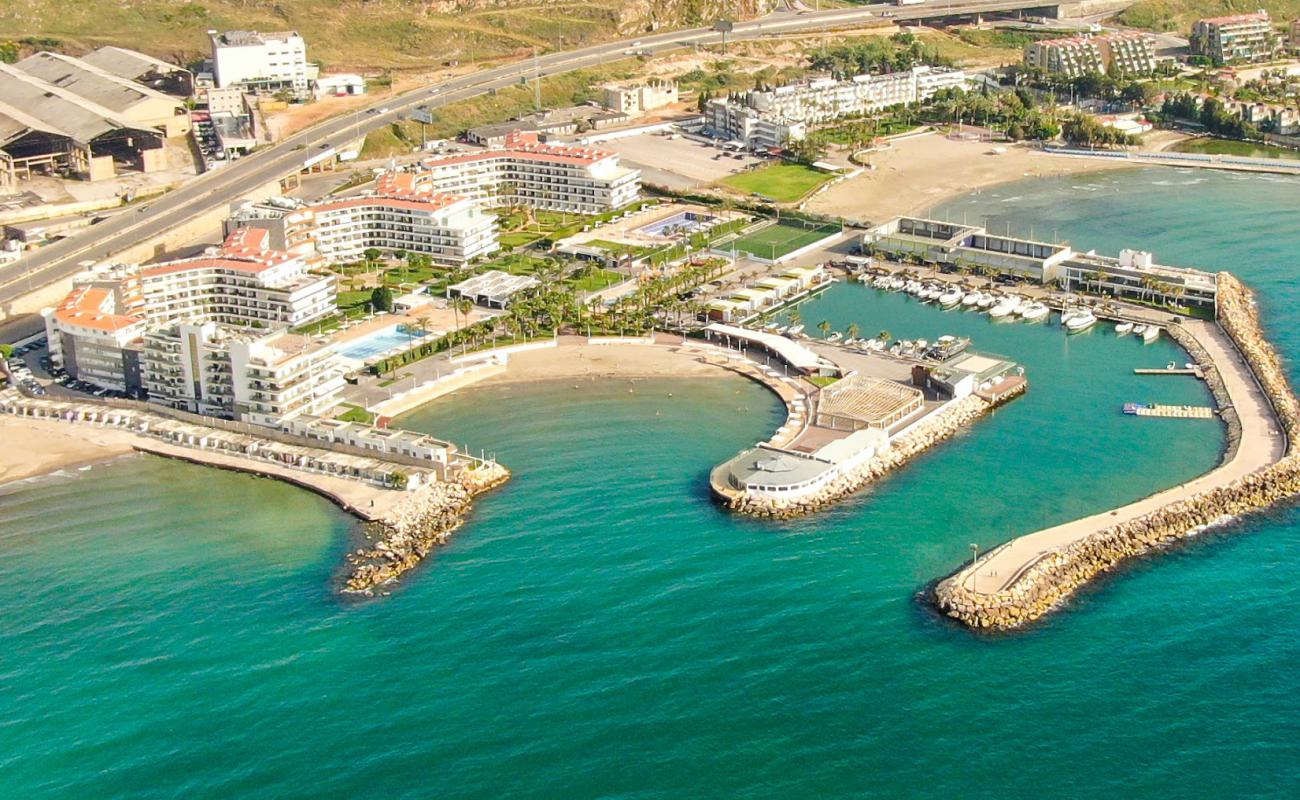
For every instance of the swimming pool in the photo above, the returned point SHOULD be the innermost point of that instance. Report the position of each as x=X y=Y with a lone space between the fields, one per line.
x=380 y=341
x=681 y=222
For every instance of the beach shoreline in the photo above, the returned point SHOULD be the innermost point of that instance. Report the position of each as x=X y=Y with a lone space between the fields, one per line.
x=612 y=361
x=916 y=174
x=35 y=447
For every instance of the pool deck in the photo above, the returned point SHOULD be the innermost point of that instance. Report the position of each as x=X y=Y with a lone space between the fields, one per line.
x=1262 y=443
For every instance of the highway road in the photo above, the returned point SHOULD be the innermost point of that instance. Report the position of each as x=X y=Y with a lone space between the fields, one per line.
x=221 y=187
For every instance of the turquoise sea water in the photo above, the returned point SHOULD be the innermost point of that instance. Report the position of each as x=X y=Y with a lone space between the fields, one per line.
x=600 y=628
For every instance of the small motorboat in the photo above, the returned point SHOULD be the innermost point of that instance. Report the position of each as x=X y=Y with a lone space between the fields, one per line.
x=794 y=330
x=1033 y=312
x=1005 y=307
x=1124 y=328
x=970 y=300
x=834 y=336
x=876 y=345
x=1140 y=330
x=1151 y=334
x=950 y=298
x=1080 y=321
x=987 y=301
x=896 y=283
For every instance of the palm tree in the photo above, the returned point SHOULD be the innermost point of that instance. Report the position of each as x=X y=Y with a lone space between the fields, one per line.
x=825 y=327
x=884 y=336
x=795 y=317
x=853 y=330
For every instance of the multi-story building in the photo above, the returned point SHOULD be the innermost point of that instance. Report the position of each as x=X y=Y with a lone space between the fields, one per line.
x=775 y=117
x=115 y=327
x=1134 y=274
x=638 y=98
x=261 y=61
x=403 y=213
x=1125 y=53
x=1293 y=35
x=1236 y=38
x=263 y=378
x=524 y=171
x=738 y=122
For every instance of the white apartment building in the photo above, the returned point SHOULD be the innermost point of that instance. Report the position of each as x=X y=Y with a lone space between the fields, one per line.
x=638 y=98
x=773 y=118
x=1128 y=53
x=91 y=333
x=403 y=213
x=1239 y=37
x=100 y=332
x=261 y=61
x=580 y=180
x=756 y=129
x=212 y=369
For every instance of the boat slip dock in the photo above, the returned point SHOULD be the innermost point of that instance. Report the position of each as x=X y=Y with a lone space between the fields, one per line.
x=1158 y=410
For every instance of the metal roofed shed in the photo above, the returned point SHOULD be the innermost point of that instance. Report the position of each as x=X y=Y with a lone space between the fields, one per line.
x=493 y=288
x=143 y=68
x=134 y=102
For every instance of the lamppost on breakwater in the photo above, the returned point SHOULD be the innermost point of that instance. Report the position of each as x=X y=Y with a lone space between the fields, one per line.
x=974 y=569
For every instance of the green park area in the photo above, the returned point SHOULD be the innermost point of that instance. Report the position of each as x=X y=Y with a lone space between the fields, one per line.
x=784 y=183
x=783 y=237
x=594 y=279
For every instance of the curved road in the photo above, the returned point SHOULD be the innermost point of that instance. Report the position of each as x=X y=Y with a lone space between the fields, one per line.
x=221 y=187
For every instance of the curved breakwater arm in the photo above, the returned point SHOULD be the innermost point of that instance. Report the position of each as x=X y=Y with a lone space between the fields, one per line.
x=1027 y=577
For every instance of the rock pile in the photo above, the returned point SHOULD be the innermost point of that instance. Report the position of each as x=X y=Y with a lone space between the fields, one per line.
x=421 y=522
x=1057 y=574
x=934 y=430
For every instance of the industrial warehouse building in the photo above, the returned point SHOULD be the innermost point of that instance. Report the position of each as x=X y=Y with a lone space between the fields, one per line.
x=83 y=118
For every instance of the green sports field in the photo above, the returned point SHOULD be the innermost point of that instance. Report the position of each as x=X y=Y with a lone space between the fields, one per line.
x=784 y=183
x=784 y=237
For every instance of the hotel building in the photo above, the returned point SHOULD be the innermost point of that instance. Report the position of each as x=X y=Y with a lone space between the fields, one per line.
x=403 y=213
x=1134 y=274
x=775 y=117
x=1240 y=37
x=1127 y=53
x=580 y=180
x=196 y=333
x=212 y=369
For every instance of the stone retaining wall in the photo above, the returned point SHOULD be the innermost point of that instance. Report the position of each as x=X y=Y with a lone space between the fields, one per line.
x=1052 y=579
x=410 y=531
x=934 y=430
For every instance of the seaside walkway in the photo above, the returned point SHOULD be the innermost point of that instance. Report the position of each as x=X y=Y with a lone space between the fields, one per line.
x=1262 y=443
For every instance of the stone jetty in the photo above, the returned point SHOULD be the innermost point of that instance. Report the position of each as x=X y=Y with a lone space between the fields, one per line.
x=1049 y=577
x=400 y=539
x=935 y=429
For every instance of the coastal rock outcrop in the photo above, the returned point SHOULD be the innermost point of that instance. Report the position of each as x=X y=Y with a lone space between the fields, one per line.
x=1057 y=574
x=421 y=522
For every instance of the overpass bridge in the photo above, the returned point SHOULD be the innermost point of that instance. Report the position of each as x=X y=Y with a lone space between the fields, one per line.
x=216 y=190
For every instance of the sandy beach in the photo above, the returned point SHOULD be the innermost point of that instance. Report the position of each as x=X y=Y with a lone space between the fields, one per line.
x=605 y=361
x=924 y=171
x=30 y=447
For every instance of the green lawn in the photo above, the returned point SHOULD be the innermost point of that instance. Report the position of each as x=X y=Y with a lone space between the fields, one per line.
x=784 y=183
x=515 y=239
x=356 y=413
x=593 y=280
x=784 y=237
x=618 y=248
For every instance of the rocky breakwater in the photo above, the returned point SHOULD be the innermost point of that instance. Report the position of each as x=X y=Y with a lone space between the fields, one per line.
x=414 y=527
x=935 y=429
x=1043 y=584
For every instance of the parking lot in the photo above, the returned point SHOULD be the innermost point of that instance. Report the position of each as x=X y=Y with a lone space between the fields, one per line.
x=680 y=163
